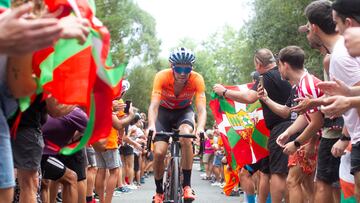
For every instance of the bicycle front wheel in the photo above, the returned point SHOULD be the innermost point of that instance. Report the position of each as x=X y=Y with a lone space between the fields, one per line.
x=175 y=179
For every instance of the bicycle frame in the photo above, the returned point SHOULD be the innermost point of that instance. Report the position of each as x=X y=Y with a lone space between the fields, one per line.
x=172 y=184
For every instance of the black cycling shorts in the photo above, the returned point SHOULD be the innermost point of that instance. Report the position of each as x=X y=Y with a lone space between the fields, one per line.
x=76 y=162
x=169 y=119
x=52 y=168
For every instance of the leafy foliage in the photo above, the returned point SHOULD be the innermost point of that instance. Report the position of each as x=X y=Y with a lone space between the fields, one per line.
x=275 y=26
x=225 y=57
x=132 y=30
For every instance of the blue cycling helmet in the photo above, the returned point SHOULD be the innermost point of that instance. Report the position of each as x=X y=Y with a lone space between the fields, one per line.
x=182 y=55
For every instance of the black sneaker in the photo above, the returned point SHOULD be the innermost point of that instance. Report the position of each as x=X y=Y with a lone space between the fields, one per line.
x=235 y=193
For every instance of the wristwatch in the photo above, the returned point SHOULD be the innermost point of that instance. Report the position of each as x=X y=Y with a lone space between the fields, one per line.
x=297 y=144
x=224 y=92
x=345 y=138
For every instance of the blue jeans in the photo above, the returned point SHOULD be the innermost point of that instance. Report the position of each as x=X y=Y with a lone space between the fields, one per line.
x=8 y=106
x=7 y=179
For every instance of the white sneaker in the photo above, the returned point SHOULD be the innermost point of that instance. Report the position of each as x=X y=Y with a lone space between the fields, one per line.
x=222 y=185
x=203 y=175
x=216 y=184
x=117 y=194
x=132 y=186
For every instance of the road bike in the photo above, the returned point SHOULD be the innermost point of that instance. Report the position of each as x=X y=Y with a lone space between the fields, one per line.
x=173 y=182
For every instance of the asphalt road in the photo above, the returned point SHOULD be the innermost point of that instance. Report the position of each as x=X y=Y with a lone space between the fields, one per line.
x=205 y=193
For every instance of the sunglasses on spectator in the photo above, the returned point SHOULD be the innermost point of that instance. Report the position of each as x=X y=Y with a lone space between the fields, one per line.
x=182 y=70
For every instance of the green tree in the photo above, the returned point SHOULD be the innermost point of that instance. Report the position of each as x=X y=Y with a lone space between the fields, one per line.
x=141 y=80
x=132 y=30
x=275 y=26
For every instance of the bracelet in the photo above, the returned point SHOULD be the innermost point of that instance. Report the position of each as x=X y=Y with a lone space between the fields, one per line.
x=297 y=144
x=224 y=92
x=345 y=138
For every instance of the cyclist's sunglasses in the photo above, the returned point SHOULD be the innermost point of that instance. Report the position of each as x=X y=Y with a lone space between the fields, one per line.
x=182 y=70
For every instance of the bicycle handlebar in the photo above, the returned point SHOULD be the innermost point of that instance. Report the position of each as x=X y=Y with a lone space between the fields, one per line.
x=171 y=134
x=175 y=134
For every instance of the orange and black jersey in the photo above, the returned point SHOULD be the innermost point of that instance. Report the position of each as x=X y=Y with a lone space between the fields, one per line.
x=163 y=90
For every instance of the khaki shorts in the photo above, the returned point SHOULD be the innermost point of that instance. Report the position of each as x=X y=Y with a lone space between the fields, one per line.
x=208 y=158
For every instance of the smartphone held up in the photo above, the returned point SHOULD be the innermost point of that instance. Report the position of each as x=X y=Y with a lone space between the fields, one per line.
x=127 y=107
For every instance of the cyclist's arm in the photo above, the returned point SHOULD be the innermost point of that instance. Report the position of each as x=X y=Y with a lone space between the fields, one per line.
x=153 y=113
x=201 y=115
x=200 y=105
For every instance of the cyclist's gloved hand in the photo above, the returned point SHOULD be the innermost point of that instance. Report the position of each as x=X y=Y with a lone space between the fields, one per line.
x=151 y=128
x=197 y=133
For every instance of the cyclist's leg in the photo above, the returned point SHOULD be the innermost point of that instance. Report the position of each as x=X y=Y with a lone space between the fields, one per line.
x=163 y=123
x=186 y=153
x=185 y=123
x=160 y=149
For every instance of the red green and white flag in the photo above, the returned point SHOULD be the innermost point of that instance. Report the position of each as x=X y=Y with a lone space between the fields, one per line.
x=5 y=3
x=242 y=128
x=347 y=181
x=82 y=74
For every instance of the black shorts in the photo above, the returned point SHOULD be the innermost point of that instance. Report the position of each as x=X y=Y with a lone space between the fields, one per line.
x=136 y=163
x=52 y=168
x=126 y=150
x=27 y=148
x=252 y=168
x=169 y=119
x=355 y=158
x=278 y=161
x=76 y=162
x=327 y=169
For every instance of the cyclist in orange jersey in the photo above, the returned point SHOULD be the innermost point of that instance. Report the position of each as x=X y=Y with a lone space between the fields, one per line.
x=170 y=107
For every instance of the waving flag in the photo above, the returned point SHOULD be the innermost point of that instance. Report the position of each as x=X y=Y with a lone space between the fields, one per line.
x=347 y=181
x=82 y=74
x=4 y=4
x=242 y=128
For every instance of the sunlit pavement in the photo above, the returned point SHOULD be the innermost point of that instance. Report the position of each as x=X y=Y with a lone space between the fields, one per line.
x=205 y=193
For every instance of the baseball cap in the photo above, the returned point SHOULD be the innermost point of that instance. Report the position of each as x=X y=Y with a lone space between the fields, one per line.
x=348 y=8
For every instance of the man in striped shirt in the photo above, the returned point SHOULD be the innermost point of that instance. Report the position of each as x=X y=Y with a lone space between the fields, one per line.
x=291 y=67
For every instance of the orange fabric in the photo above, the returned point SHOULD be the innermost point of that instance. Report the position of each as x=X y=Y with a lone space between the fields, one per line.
x=307 y=164
x=220 y=142
x=231 y=179
x=113 y=139
x=347 y=188
x=163 y=90
x=120 y=113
